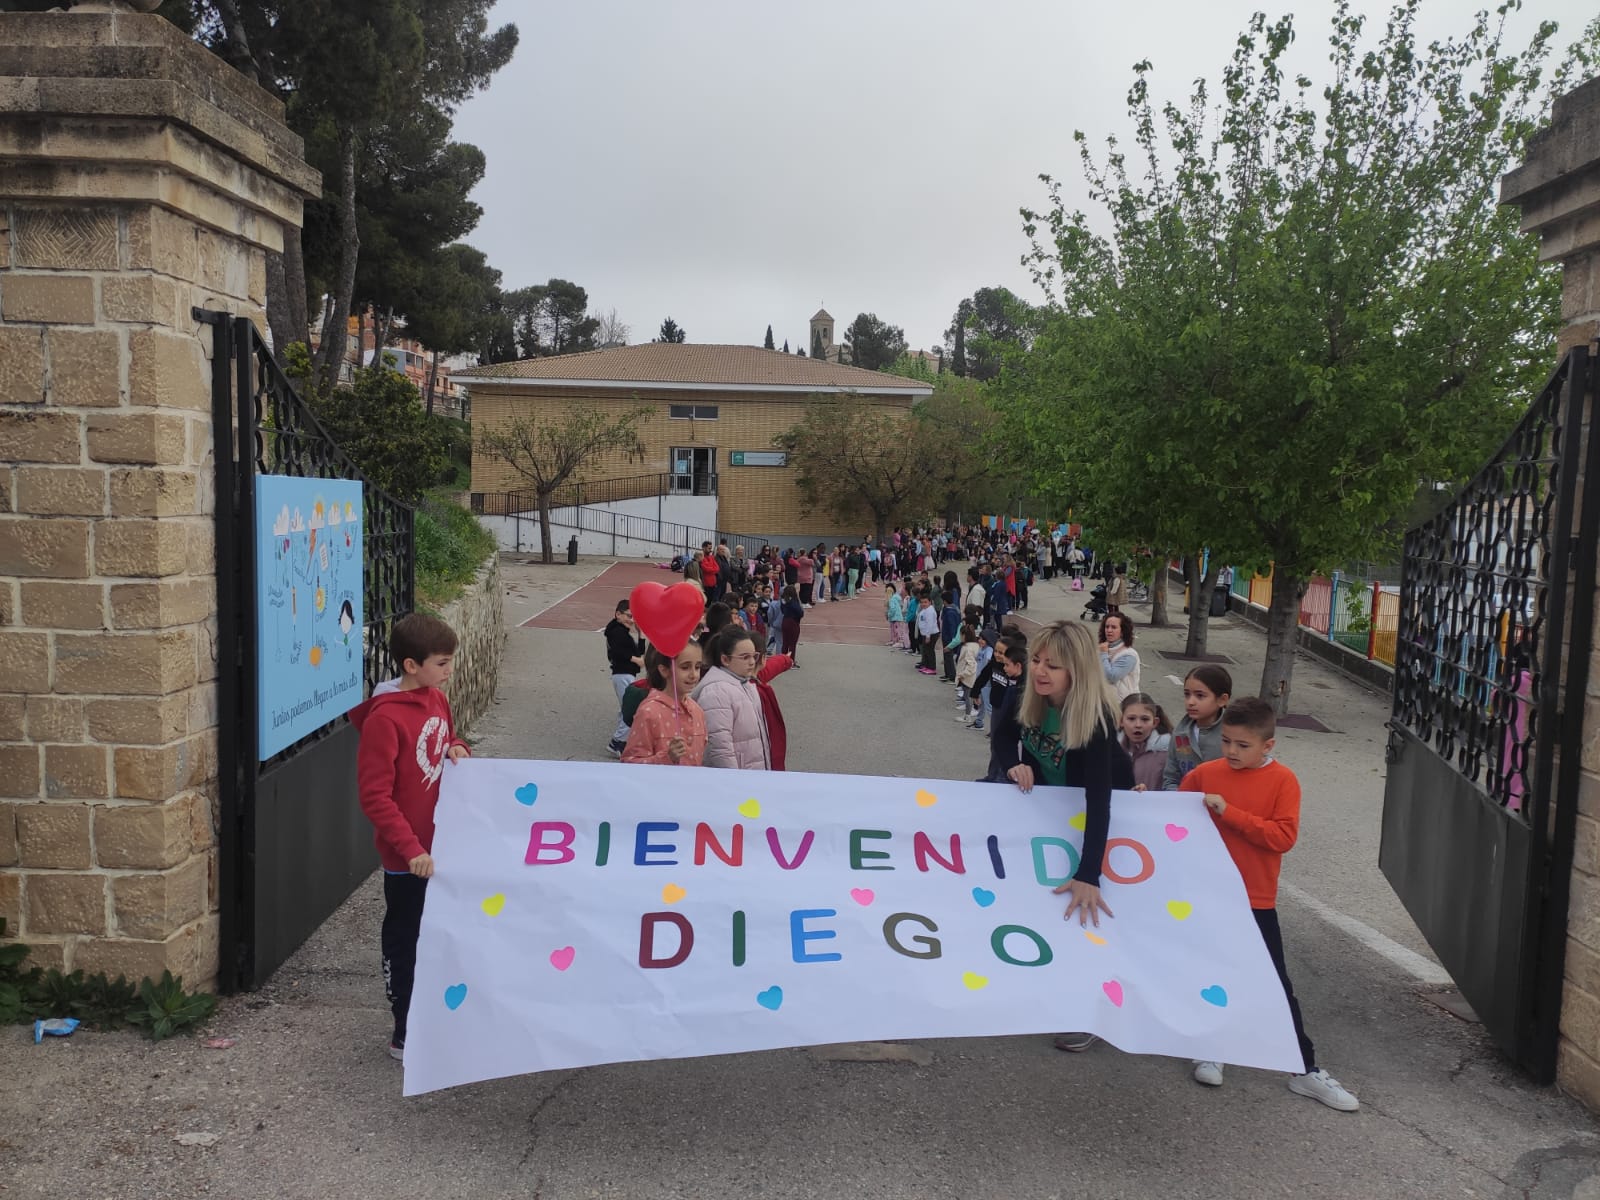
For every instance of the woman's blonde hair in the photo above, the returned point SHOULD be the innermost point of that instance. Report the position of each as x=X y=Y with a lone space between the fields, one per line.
x=1090 y=701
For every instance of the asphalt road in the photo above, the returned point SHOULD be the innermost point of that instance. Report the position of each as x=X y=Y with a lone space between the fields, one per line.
x=307 y=1103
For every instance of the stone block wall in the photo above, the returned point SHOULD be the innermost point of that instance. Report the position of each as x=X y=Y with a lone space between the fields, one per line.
x=142 y=177
x=478 y=617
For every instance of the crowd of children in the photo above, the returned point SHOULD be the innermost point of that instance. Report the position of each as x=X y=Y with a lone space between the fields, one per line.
x=1056 y=717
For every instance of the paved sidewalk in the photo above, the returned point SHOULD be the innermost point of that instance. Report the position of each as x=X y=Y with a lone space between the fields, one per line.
x=307 y=1104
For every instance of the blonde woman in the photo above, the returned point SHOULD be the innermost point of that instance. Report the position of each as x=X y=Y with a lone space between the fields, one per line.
x=1068 y=738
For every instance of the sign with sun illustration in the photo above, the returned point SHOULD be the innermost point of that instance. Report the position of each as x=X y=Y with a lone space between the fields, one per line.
x=308 y=605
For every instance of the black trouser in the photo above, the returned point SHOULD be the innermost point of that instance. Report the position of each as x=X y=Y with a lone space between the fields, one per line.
x=402 y=920
x=949 y=664
x=1267 y=922
x=927 y=654
x=805 y=593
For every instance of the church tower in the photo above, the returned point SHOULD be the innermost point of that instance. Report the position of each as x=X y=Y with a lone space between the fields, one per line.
x=822 y=328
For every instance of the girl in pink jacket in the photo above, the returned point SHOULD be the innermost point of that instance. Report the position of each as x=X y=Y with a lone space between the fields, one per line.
x=736 y=730
x=669 y=728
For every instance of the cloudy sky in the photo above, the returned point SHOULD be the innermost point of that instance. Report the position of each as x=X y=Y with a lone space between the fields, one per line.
x=734 y=163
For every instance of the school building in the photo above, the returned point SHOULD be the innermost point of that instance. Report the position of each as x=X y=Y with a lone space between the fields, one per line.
x=709 y=461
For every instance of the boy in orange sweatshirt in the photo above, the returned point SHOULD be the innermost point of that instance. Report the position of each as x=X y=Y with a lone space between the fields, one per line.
x=407 y=732
x=1255 y=802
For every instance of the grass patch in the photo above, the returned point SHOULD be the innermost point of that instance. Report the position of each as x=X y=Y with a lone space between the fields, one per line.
x=451 y=546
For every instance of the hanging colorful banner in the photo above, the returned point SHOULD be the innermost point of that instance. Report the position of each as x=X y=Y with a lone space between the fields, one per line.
x=585 y=914
x=309 y=569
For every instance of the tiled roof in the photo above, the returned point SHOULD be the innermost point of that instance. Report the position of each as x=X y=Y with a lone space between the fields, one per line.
x=822 y=314
x=690 y=363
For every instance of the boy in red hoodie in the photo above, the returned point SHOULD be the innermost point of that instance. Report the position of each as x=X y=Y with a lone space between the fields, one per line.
x=406 y=734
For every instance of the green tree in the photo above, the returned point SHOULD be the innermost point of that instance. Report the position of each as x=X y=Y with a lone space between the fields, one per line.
x=786 y=345
x=768 y=344
x=816 y=344
x=379 y=422
x=956 y=338
x=670 y=332
x=957 y=431
x=553 y=318
x=350 y=73
x=455 y=313
x=857 y=459
x=986 y=327
x=1301 y=313
x=873 y=344
x=552 y=450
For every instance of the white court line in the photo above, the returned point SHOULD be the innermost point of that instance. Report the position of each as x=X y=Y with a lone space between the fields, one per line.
x=1422 y=969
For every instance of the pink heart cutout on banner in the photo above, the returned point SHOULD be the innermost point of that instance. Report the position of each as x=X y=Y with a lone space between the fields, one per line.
x=562 y=959
x=1176 y=833
x=1113 y=991
x=667 y=615
x=863 y=896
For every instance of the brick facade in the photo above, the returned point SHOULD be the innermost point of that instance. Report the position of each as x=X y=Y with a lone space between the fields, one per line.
x=144 y=177
x=1558 y=191
x=750 y=500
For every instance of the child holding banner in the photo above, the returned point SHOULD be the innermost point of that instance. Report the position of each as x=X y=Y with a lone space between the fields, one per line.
x=407 y=732
x=669 y=728
x=1255 y=802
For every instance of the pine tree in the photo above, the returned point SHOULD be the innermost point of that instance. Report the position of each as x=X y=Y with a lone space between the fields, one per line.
x=785 y=345
x=816 y=344
x=768 y=344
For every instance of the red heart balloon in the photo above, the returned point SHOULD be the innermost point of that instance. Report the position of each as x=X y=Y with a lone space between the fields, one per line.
x=667 y=615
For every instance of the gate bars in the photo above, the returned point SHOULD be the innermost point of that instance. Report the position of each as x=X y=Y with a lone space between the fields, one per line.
x=1492 y=665
x=261 y=426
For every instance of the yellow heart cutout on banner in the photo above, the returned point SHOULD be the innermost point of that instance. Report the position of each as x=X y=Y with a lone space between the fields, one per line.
x=926 y=799
x=1180 y=909
x=1080 y=822
x=1095 y=938
x=672 y=893
x=750 y=808
x=974 y=982
x=493 y=904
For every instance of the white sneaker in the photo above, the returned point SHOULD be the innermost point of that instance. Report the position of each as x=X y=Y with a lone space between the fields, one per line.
x=1319 y=1085
x=962 y=718
x=1208 y=1073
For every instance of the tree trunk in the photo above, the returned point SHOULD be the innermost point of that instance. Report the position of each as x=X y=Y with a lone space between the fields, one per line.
x=433 y=370
x=286 y=295
x=880 y=525
x=547 y=552
x=1158 y=595
x=1283 y=620
x=333 y=329
x=1200 y=589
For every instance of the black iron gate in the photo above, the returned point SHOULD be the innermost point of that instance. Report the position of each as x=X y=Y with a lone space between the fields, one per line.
x=1491 y=666
x=294 y=843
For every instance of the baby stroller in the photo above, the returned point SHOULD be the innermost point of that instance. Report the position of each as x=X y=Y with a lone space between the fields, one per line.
x=1096 y=607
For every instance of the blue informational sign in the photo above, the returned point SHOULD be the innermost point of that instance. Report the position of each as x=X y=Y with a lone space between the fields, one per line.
x=308 y=605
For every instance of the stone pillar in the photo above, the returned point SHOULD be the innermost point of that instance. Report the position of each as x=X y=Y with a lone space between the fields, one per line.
x=140 y=176
x=1558 y=191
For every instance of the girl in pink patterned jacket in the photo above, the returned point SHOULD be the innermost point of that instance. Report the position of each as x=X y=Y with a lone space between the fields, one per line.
x=669 y=728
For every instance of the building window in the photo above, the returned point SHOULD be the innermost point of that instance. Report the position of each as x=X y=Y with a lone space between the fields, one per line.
x=692 y=412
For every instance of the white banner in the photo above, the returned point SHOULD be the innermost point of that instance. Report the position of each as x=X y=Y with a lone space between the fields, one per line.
x=585 y=914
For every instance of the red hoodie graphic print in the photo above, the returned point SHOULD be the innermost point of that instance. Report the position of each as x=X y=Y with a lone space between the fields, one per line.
x=405 y=737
